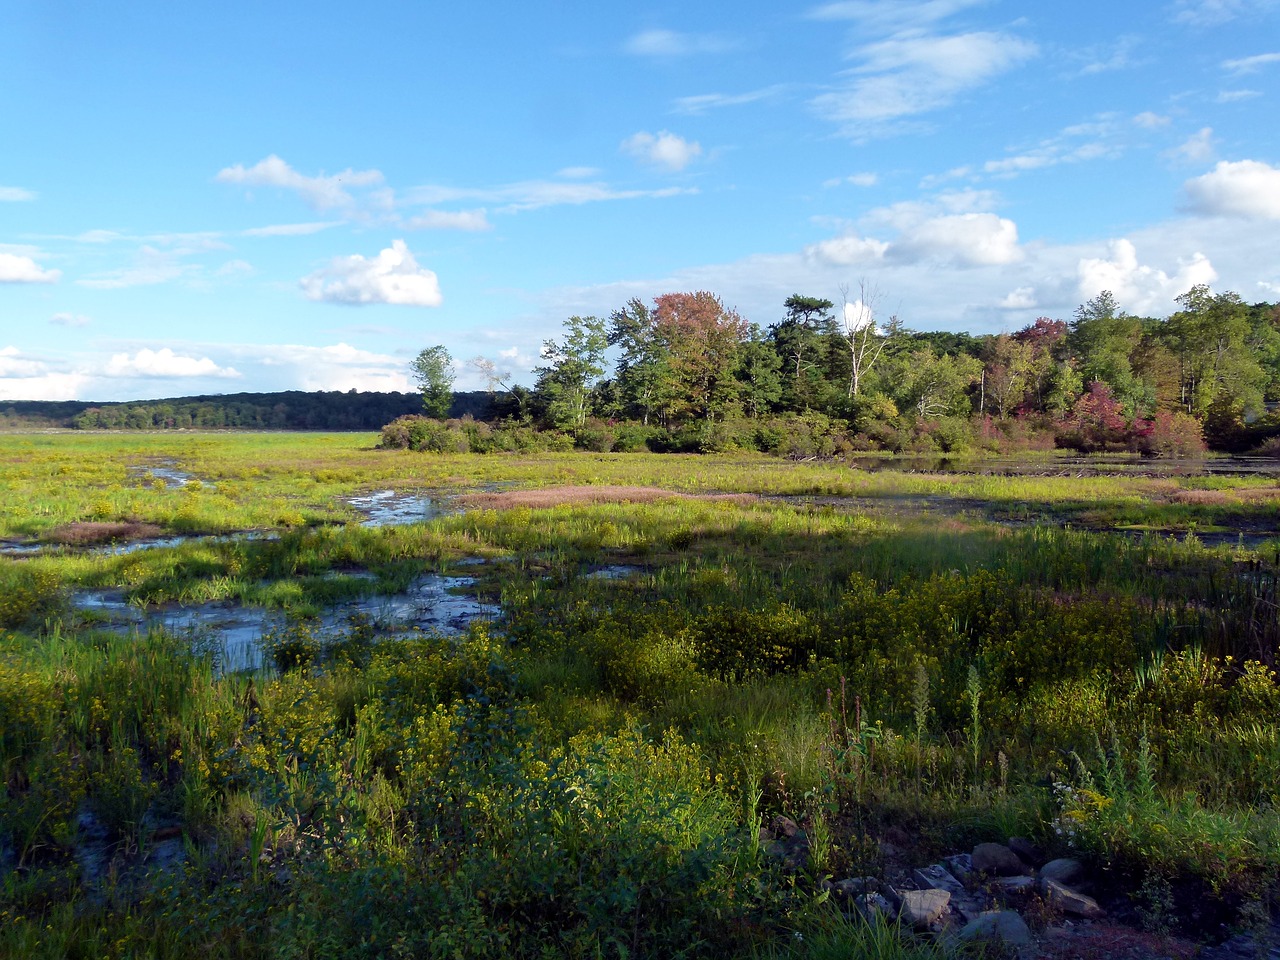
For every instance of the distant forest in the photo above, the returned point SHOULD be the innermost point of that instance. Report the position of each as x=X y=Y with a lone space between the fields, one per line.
x=291 y=410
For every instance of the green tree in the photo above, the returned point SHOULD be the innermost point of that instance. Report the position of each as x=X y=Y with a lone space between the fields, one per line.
x=1209 y=336
x=433 y=371
x=704 y=340
x=575 y=364
x=1102 y=338
x=798 y=343
x=759 y=373
x=643 y=376
x=935 y=386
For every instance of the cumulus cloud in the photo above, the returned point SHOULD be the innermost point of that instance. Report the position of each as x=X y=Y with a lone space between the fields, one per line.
x=1022 y=298
x=14 y=365
x=337 y=366
x=69 y=320
x=15 y=195
x=1248 y=189
x=663 y=149
x=1139 y=287
x=321 y=191
x=669 y=43
x=16 y=268
x=1150 y=121
x=848 y=250
x=469 y=220
x=393 y=276
x=164 y=364
x=910 y=74
x=966 y=239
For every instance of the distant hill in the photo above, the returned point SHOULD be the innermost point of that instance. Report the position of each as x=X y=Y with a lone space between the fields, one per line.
x=290 y=410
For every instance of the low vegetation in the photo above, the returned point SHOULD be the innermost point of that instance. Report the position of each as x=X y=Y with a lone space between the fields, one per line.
x=865 y=652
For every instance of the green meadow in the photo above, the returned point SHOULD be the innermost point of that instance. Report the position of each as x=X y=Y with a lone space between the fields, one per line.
x=1087 y=661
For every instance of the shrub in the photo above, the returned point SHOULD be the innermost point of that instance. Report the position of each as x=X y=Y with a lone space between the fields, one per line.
x=1172 y=435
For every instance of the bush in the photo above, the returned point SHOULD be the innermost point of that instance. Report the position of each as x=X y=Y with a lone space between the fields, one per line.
x=1172 y=435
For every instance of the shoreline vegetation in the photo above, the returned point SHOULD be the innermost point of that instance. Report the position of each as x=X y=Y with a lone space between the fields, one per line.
x=689 y=648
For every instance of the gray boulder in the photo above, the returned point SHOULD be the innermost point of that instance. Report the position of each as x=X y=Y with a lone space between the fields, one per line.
x=937 y=877
x=1003 y=926
x=1030 y=853
x=922 y=908
x=997 y=860
x=1066 y=870
x=1070 y=902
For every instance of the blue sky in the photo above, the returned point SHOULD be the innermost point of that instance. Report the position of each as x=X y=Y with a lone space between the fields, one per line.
x=201 y=198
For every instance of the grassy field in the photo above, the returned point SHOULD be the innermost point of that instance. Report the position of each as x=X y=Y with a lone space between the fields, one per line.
x=945 y=657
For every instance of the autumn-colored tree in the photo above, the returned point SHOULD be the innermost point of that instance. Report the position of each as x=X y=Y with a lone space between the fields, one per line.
x=703 y=340
x=1007 y=373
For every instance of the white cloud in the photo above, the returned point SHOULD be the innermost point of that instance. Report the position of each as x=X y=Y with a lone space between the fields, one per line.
x=470 y=220
x=164 y=364
x=1248 y=189
x=69 y=320
x=152 y=266
x=911 y=74
x=1023 y=298
x=15 y=195
x=669 y=43
x=848 y=250
x=858 y=315
x=1235 y=96
x=664 y=149
x=338 y=366
x=321 y=191
x=966 y=239
x=866 y=179
x=13 y=365
x=1251 y=64
x=702 y=102
x=534 y=194
x=1138 y=287
x=895 y=15
x=236 y=268
x=1195 y=149
x=15 y=268
x=578 y=173
x=393 y=276
x=1150 y=121
x=291 y=229
x=1211 y=13
x=100 y=236
x=1118 y=57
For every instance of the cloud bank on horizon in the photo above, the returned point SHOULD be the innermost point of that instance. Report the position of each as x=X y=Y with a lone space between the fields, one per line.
x=353 y=191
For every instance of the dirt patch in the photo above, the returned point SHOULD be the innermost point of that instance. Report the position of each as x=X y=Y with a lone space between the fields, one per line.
x=569 y=495
x=87 y=532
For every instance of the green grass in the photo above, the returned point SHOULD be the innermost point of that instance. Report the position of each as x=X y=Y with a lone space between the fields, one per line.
x=588 y=777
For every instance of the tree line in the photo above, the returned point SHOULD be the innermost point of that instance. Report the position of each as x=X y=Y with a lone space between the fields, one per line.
x=287 y=410
x=687 y=372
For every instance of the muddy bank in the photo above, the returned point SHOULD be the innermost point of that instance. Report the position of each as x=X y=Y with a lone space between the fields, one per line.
x=572 y=495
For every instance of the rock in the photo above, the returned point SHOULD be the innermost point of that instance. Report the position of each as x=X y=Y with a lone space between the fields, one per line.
x=937 y=877
x=1063 y=898
x=969 y=906
x=853 y=887
x=784 y=827
x=873 y=906
x=1030 y=853
x=1065 y=870
x=1002 y=926
x=784 y=841
x=922 y=908
x=960 y=865
x=1018 y=886
x=996 y=859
